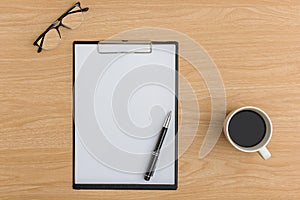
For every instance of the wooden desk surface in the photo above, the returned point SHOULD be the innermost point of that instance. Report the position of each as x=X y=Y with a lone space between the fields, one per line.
x=255 y=44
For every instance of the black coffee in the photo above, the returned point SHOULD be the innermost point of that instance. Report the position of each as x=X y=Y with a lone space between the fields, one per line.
x=247 y=128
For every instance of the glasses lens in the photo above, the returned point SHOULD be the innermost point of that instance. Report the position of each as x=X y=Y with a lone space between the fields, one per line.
x=74 y=18
x=51 y=40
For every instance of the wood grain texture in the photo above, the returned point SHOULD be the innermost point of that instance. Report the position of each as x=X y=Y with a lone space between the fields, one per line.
x=255 y=44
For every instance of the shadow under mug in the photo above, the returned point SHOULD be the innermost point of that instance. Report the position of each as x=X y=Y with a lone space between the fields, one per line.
x=261 y=146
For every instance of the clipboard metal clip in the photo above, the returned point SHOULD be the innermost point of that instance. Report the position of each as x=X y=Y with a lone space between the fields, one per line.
x=124 y=46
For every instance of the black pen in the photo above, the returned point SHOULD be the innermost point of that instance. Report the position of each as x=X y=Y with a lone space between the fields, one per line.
x=156 y=151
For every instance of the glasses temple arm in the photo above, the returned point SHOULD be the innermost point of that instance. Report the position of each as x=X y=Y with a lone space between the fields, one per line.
x=76 y=11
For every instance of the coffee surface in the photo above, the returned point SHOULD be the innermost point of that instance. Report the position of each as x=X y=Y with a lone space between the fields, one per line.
x=247 y=128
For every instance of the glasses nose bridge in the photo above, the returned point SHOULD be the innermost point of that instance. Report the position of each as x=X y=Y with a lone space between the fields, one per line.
x=56 y=23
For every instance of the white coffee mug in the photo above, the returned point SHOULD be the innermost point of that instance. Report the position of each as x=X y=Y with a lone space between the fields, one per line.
x=261 y=146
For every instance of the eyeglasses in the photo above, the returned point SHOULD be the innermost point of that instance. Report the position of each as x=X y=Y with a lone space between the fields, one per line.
x=51 y=37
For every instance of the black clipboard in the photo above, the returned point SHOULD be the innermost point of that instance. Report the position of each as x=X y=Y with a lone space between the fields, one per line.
x=148 y=49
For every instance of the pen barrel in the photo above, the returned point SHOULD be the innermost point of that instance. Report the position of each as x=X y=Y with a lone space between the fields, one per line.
x=160 y=140
x=152 y=165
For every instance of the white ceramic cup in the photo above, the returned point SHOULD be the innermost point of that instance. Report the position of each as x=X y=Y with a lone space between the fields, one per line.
x=261 y=147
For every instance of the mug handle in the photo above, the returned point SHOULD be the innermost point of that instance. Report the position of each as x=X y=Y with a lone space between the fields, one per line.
x=264 y=153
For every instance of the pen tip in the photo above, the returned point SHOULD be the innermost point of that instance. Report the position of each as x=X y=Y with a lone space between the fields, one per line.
x=166 y=124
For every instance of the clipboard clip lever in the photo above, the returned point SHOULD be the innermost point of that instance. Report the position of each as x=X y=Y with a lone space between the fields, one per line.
x=124 y=46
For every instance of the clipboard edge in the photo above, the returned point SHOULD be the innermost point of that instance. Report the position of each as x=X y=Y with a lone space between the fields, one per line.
x=125 y=186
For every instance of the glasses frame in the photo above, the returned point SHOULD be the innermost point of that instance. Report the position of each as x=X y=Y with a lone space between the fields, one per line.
x=57 y=24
